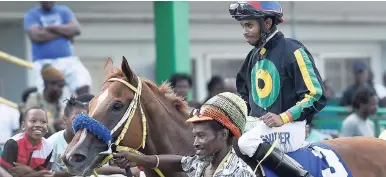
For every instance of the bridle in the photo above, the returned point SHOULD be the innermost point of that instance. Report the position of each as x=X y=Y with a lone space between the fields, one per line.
x=126 y=119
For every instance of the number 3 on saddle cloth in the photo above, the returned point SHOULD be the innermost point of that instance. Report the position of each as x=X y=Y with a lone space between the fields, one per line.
x=320 y=160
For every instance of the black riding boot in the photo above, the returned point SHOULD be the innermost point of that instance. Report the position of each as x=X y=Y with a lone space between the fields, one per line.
x=281 y=163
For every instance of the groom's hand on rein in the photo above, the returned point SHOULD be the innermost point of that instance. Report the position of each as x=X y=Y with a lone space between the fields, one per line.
x=124 y=159
x=272 y=120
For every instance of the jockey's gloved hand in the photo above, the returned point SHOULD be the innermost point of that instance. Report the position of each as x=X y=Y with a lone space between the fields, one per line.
x=272 y=120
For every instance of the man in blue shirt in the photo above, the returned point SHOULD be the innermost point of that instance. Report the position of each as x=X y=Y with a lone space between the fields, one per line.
x=51 y=28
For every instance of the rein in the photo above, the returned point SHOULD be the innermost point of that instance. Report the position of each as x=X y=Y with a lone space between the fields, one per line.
x=128 y=117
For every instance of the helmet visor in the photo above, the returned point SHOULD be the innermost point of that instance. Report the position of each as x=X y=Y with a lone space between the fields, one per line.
x=237 y=9
x=241 y=9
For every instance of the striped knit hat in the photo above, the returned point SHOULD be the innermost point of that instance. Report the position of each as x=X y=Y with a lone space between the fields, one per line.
x=227 y=108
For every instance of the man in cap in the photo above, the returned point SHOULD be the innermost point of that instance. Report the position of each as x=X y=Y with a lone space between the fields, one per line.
x=54 y=82
x=361 y=73
x=219 y=120
x=51 y=29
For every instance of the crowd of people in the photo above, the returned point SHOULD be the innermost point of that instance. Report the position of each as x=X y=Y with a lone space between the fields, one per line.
x=37 y=134
x=362 y=99
x=43 y=125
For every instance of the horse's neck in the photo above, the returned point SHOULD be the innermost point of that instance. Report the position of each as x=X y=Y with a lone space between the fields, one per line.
x=167 y=131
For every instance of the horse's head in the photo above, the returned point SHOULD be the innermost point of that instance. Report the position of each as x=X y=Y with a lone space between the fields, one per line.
x=108 y=108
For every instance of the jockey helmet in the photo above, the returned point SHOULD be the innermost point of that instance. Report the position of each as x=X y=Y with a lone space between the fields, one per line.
x=257 y=9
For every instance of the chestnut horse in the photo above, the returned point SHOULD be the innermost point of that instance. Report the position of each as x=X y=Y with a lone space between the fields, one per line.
x=167 y=132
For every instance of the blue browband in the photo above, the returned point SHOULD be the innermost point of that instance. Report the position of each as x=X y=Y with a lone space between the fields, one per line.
x=92 y=125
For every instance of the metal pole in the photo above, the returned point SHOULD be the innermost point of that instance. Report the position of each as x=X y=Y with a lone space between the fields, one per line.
x=9 y=103
x=15 y=60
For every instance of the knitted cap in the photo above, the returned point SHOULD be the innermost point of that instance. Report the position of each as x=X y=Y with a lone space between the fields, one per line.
x=227 y=108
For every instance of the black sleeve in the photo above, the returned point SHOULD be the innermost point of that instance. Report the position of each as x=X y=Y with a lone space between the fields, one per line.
x=47 y=160
x=45 y=165
x=9 y=155
x=242 y=81
x=308 y=86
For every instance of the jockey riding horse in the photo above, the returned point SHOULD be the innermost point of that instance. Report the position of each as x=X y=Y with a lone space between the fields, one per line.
x=281 y=85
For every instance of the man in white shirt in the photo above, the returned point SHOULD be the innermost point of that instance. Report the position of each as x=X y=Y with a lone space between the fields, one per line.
x=365 y=103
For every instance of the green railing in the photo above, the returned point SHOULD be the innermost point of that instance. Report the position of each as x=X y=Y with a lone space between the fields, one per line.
x=331 y=118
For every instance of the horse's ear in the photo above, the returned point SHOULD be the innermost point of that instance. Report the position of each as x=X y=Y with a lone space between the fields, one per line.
x=127 y=70
x=108 y=65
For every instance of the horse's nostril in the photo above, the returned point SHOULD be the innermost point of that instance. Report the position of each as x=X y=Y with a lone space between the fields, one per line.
x=77 y=158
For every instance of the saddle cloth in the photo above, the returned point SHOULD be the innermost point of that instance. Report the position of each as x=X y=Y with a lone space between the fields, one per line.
x=320 y=160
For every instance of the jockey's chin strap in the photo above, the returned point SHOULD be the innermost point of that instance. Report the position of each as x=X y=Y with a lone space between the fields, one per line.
x=127 y=117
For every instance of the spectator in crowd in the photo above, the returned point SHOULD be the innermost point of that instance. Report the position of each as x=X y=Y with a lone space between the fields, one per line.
x=54 y=82
x=215 y=86
x=361 y=78
x=51 y=28
x=182 y=84
x=9 y=123
x=380 y=89
x=365 y=103
x=61 y=139
x=29 y=153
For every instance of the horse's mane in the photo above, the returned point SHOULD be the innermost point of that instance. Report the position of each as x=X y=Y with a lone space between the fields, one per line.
x=165 y=90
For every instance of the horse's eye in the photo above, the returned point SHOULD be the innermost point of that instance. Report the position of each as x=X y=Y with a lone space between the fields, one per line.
x=117 y=106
